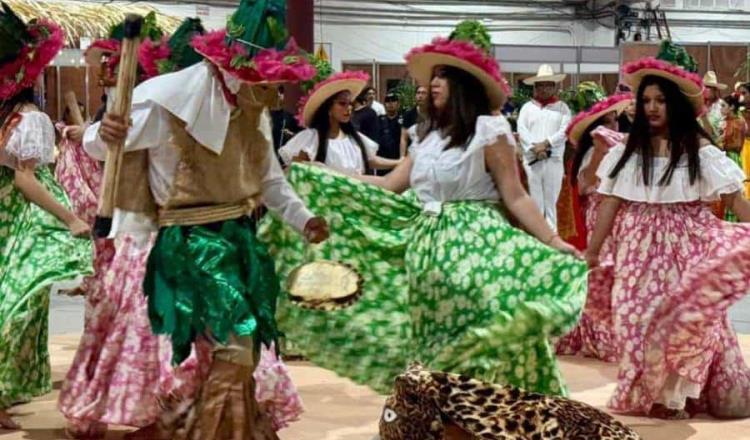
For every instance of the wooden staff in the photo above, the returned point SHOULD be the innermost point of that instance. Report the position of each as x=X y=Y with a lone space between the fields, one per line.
x=126 y=78
x=71 y=102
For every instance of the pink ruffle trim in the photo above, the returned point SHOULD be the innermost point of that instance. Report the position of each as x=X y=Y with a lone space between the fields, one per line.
x=32 y=60
x=466 y=51
x=269 y=65
x=336 y=77
x=598 y=107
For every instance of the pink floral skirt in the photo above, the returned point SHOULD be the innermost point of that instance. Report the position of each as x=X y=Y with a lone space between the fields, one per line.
x=121 y=369
x=80 y=176
x=678 y=268
x=594 y=335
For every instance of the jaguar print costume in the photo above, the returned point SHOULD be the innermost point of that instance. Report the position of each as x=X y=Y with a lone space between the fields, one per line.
x=425 y=403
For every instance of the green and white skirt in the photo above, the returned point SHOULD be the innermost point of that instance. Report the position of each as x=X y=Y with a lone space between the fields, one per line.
x=36 y=251
x=461 y=291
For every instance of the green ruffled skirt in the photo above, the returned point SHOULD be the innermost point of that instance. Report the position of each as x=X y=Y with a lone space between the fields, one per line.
x=212 y=280
x=36 y=251
x=462 y=291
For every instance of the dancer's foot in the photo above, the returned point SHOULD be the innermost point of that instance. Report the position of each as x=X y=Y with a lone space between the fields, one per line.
x=6 y=422
x=660 y=411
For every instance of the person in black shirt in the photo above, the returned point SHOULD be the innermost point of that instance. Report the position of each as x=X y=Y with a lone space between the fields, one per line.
x=283 y=124
x=413 y=116
x=364 y=118
x=390 y=131
x=625 y=121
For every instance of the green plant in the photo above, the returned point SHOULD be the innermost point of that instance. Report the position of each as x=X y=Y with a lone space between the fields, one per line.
x=743 y=72
x=581 y=98
x=324 y=70
x=406 y=91
x=473 y=31
x=522 y=94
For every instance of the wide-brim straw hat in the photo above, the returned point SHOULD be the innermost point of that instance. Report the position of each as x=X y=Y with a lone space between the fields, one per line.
x=421 y=61
x=615 y=103
x=710 y=80
x=353 y=82
x=545 y=73
x=690 y=84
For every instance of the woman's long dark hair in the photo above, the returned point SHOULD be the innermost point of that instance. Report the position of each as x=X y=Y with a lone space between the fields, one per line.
x=467 y=101
x=684 y=133
x=584 y=145
x=322 y=125
x=8 y=106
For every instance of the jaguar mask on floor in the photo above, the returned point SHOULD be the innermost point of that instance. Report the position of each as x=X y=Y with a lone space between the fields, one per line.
x=425 y=403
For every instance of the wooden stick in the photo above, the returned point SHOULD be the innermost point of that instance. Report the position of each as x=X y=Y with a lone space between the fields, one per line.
x=126 y=78
x=71 y=101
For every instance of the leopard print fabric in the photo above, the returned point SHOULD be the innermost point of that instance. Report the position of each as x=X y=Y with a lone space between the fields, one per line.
x=425 y=402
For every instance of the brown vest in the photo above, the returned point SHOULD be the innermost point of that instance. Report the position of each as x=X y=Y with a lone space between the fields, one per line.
x=203 y=179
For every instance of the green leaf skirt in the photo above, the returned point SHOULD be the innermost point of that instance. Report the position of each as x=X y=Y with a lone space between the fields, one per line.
x=212 y=280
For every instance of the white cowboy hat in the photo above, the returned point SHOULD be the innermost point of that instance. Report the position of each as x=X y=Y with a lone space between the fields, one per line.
x=545 y=74
x=709 y=80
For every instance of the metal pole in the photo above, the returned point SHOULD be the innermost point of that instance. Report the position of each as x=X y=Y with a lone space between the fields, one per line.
x=87 y=93
x=58 y=87
x=579 y=60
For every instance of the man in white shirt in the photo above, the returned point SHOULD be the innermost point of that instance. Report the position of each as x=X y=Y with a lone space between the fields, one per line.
x=541 y=132
x=713 y=118
x=373 y=103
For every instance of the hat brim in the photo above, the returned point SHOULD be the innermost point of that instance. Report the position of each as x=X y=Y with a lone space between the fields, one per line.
x=577 y=130
x=547 y=78
x=692 y=91
x=351 y=85
x=421 y=65
x=719 y=86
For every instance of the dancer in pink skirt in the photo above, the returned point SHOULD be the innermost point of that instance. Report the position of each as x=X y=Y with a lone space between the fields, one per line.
x=122 y=373
x=80 y=176
x=594 y=335
x=679 y=352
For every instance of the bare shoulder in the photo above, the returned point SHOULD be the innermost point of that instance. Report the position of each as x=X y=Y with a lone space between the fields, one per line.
x=703 y=142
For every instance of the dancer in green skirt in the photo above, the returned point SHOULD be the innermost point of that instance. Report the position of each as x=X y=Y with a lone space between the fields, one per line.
x=37 y=247
x=448 y=281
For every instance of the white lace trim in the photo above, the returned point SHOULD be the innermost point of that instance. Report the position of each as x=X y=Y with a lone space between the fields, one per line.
x=719 y=175
x=32 y=138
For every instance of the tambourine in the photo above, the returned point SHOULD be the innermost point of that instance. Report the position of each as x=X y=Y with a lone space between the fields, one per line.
x=324 y=285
